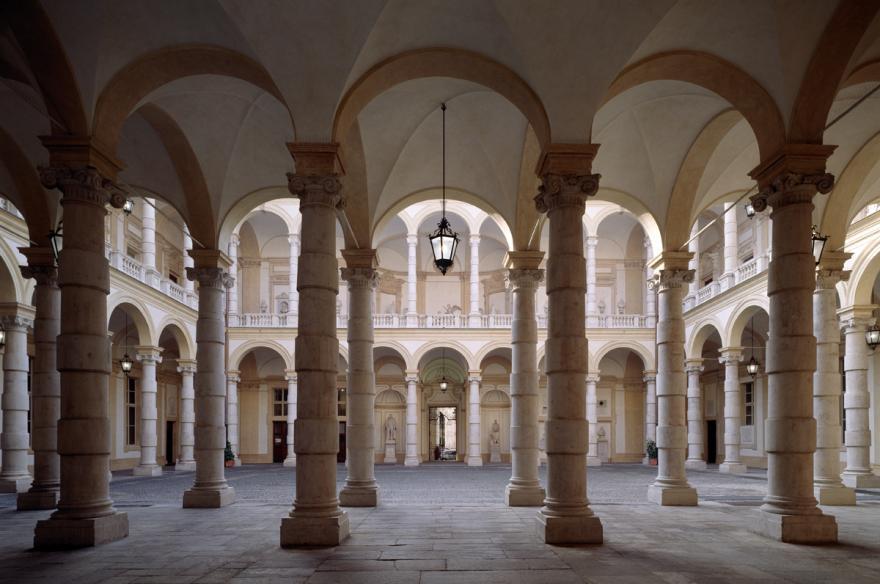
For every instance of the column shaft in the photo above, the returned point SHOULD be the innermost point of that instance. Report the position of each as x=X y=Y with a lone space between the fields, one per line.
x=290 y=460
x=671 y=486
x=14 y=476
x=827 y=485
x=731 y=246
x=474 y=449
x=474 y=316
x=233 y=271
x=592 y=309
x=85 y=515
x=316 y=518
x=148 y=242
x=857 y=400
x=232 y=436
x=593 y=421
x=293 y=240
x=360 y=488
x=45 y=384
x=412 y=316
x=149 y=358
x=412 y=419
x=695 y=459
x=566 y=516
x=186 y=461
x=730 y=358
x=210 y=488
x=524 y=488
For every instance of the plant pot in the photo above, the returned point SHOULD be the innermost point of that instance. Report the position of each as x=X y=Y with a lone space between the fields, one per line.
x=231 y=463
x=652 y=461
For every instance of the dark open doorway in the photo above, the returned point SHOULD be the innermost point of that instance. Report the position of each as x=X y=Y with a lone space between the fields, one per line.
x=711 y=441
x=169 y=443
x=279 y=441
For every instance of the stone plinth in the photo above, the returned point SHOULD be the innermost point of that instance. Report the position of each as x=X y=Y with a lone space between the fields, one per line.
x=79 y=533
x=196 y=498
x=673 y=496
x=494 y=453
x=805 y=529
x=314 y=531
x=567 y=530
x=390 y=452
x=524 y=495
x=37 y=500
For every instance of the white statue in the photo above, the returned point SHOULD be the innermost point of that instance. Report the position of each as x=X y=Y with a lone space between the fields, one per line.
x=495 y=434
x=390 y=429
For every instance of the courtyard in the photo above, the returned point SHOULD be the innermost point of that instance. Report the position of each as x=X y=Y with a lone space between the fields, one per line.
x=442 y=523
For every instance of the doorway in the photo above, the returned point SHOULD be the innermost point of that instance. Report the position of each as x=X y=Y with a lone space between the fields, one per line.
x=169 y=443
x=711 y=441
x=340 y=454
x=442 y=432
x=279 y=441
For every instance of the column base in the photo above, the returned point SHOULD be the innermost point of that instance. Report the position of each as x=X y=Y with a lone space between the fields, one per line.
x=837 y=496
x=859 y=481
x=516 y=496
x=79 y=533
x=290 y=462
x=411 y=462
x=208 y=498
x=731 y=468
x=475 y=461
x=15 y=485
x=695 y=464
x=566 y=530
x=314 y=531
x=153 y=470
x=184 y=466
x=672 y=496
x=808 y=529
x=594 y=461
x=359 y=497
x=37 y=500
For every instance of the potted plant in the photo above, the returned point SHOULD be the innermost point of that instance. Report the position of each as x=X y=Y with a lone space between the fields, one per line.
x=651 y=451
x=228 y=455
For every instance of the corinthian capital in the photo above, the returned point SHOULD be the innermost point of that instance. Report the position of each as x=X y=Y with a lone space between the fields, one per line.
x=210 y=277
x=671 y=278
x=45 y=275
x=828 y=279
x=360 y=277
x=792 y=187
x=525 y=278
x=15 y=322
x=316 y=189
x=565 y=190
x=84 y=184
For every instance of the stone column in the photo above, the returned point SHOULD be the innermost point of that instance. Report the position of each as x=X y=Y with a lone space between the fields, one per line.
x=474 y=448
x=828 y=488
x=731 y=247
x=316 y=518
x=233 y=271
x=290 y=376
x=695 y=422
x=360 y=488
x=650 y=295
x=592 y=310
x=14 y=476
x=524 y=488
x=593 y=421
x=149 y=357
x=671 y=486
x=856 y=398
x=148 y=242
x=790 y=513
x=85 y=514
x=412 y=419
x=188 y=285
x=412 y=315
x=731 y=358
x=2 y=351
x=474 y=320
x=210 y=488
x=45 y=382
x=293 y=240
x=693 y=264
x=761 y=256
x=650 y=379
x=566 y=516
x=187 y=370
x=233 y=378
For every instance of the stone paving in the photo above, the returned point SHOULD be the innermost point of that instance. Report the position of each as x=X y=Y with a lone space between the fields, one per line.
x=446 y=523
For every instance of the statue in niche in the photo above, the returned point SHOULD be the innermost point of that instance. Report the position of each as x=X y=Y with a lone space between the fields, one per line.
x=495 y=434
x=390 y=429
x=601 y=307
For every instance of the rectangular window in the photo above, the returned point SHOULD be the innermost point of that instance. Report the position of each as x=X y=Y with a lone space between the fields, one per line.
x=279 y=402
x=131 y=411
x=340 y=402
x=174 y=277
x=749 y=399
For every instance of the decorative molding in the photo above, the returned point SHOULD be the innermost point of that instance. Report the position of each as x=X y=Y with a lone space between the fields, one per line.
x=209 y=277
x=789 y=187
x=316 y=189
x=360 y=277
x=16 y=322
x=525 y=278
x=45 y=275
x=83 y=184
x=565 y=190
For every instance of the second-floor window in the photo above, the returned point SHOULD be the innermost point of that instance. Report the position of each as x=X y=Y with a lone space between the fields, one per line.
x=279 y=402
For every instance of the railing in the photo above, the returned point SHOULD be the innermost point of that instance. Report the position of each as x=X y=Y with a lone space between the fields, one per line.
x=497 y=320
x=262 y=320
x=171 y=289
x=622 y=321
x=747 y=270
x=132 y=267
x=708 y=291
x=389 y=321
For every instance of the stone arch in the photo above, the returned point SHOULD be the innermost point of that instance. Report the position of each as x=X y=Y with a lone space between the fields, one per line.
x=450 y=345
x=684 y=192
x=29 y=196
x=644 y=217
x=861 y=282
x=138 y=312
x=495 y=398
x=701 y=333
x=830 y=59
x=839 y=209
x=20 y=289
x=442 y=62
x=732 y=337
x=719 y=76
x=242 y=350
x=180 y=332
x=401 y=351
x=157 y=68
x=639 y=349
x=391 y=398
x=486 y=350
